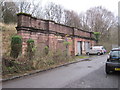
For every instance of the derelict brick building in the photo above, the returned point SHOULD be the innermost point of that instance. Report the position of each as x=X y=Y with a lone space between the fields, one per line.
x=51 y=34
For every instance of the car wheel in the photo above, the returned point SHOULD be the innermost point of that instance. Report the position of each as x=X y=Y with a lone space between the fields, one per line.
x=98 y=54
x=107 y=70
x=88 y=53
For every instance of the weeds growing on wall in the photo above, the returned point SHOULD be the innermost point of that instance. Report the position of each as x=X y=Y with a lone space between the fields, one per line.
x=51 y=59
x=15 y=65
x=16 y=46
x=30 y=49
x=66 y=43
x=33 y=60
x=12 y=66
x=46 y=50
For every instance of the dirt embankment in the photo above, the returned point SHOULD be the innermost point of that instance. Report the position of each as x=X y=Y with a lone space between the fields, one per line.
x=6 y=31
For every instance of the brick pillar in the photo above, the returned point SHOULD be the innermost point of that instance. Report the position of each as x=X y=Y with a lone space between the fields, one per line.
x=25 y=36
x=73 y=43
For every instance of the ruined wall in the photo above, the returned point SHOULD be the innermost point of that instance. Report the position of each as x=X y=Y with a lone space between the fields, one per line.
x=49 y=33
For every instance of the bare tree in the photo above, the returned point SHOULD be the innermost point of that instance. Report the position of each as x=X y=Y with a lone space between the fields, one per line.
x=23 y=6
x=10 y=9
x=84 y=21
x=1 y=10
x=53 y=12
x=9 y=12
x=100 y=19
x=113 y=33
x=1 y=2
x=71 y=18
x=36 y=9
x=32 y=7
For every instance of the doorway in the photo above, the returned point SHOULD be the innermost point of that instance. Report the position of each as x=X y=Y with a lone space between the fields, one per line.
x=79 y=48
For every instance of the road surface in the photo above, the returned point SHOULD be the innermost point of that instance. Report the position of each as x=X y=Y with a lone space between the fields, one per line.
x=85 y=74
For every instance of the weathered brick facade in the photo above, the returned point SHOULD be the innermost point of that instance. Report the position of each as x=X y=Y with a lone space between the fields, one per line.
x=51 y=34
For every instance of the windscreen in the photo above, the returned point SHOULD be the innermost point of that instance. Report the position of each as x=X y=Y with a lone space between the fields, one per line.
x=115 y=54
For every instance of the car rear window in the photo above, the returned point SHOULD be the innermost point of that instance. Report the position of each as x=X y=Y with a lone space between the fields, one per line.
x=115 y=53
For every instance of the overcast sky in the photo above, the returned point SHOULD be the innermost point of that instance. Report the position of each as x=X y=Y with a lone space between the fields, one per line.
x=82 y=5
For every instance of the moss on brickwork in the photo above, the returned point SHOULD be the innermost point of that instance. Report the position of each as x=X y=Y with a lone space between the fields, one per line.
x=21 y=13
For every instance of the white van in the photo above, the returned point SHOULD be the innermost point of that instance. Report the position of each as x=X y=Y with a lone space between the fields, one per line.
x=96 y=50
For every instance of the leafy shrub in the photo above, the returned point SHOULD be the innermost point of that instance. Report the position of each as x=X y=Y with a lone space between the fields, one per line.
x=14 y=66
x=11 y=66
x=46 y=50
x=96 y=36
x=30 y=48
x=16 y=46
x=66 y=43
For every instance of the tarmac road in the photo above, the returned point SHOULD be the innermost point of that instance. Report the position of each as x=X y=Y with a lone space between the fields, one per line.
x=85 y=74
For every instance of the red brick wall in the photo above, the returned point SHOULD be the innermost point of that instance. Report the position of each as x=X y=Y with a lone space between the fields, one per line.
x=60 y=28
x=40 y=31
x=81 y=33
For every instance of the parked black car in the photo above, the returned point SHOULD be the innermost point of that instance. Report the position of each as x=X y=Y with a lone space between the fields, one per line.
x=113 y=61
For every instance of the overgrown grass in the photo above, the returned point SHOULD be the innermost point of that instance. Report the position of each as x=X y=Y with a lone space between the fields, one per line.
x=6 y=31
x=21 y=65
x=51 y=59
x=7 y=27
x=81 y=57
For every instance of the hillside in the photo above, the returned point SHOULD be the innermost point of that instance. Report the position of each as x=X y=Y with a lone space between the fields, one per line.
x=6 y=31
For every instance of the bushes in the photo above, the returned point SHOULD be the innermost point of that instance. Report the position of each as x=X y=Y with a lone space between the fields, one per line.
x=34 y=59
x=51 y=59
x=30 y=49
x=15 y=64
x=12 y=66
x=96 y=36
x=46 y=50
x=16 y=46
